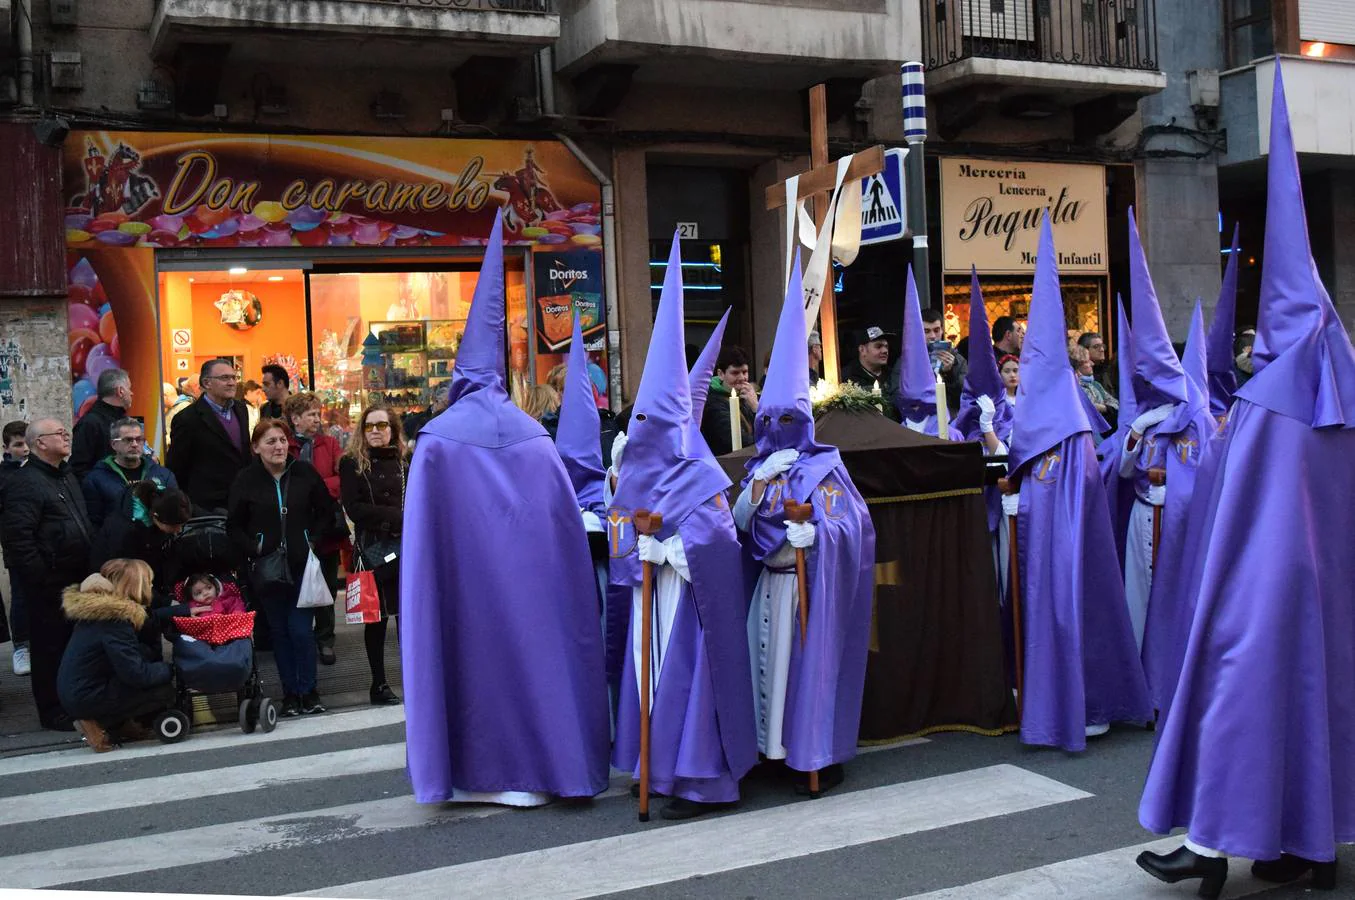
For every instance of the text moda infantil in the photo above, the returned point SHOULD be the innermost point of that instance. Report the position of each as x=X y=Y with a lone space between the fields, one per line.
x=195 y=181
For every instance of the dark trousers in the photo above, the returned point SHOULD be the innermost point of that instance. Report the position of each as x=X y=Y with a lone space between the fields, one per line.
x=137 y=704
x=18 y=614
x=293 y=641
x=324 y=616
x=49 y=632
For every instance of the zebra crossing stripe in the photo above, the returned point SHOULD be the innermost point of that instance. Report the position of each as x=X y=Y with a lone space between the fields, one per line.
x=675 y=853
x=1094 y=877
x=229 y=738
x=209 y=783
x=229 y=840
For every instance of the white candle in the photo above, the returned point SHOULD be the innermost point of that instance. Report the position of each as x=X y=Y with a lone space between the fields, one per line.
x=942 y=410
x=735 y=421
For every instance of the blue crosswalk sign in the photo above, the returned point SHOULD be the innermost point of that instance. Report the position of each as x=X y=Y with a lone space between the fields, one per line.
x=883 y=206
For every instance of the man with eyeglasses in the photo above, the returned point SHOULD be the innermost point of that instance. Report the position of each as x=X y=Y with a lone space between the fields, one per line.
x=209 y=441
x=89 y=442
x=107 y=483
x=48 y=531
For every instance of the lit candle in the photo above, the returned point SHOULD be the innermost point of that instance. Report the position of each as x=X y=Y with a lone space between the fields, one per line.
x=942 y=410
x=735 y=421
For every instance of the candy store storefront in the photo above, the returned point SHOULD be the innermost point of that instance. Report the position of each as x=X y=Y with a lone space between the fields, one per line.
x=349 y=261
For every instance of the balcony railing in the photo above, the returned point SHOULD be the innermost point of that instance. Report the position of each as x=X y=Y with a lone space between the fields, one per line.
x=1113 y=33
x=539 y=7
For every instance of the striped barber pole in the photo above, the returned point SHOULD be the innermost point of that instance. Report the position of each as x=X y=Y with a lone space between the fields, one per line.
x=913 y=89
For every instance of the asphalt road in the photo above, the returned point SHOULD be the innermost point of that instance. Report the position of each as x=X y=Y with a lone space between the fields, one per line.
x=322 y=806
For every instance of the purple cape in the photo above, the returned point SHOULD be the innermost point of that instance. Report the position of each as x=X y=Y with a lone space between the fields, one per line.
x=1169 y=612
x=1257 y=752
x=1081 y=662
x=828 y=673
x=504 y=688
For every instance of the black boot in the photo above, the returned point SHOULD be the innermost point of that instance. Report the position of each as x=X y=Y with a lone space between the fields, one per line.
x=678 y=809
x=1182 y=865
x=382 y=695
x=1291 y=868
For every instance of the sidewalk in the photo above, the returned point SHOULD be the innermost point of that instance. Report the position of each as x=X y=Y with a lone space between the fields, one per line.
x=342 y=685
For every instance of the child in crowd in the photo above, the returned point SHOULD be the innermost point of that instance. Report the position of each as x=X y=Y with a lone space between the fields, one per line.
x=206 y=597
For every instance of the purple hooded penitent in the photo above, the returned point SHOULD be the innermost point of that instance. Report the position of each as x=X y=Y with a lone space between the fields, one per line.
x=983 y=377
x=698 y=379
x=502 y=655
x=1257 y=753
x=827 y=674
x=1120 y=491
x=578 y=438
x=983 y=380
x=701 y=719
x=916 y=398
x=1222 y=372
x=1081 y=664
x=1169 y=610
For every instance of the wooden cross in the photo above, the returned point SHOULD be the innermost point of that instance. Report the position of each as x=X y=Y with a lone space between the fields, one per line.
x=818 y=183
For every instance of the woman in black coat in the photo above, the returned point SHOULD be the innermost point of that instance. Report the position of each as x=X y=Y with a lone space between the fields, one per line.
x=273 y=485
x=107 y=678
x=143 y=527
x=372 y=485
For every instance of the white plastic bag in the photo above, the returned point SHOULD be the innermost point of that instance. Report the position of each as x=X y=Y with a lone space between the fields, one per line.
x=315 y=592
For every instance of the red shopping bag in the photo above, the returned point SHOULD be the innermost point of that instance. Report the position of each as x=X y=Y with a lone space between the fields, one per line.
x=362 y=603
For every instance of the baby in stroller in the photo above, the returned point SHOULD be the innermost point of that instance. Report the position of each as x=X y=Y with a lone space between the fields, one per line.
x=207 y=596
x=213 y=651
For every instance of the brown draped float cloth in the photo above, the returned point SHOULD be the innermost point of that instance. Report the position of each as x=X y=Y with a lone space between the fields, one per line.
x=936 y=653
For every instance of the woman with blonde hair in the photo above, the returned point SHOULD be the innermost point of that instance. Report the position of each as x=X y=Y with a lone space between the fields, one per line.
x=107 y=679
x=372 y=487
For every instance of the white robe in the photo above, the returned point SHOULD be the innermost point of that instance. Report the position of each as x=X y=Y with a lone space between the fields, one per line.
x=1138 y=551
x=670 y=581
x=773 y=626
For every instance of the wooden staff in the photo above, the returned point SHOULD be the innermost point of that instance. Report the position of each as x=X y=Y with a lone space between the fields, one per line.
x=1157 y=478
x=649 y=523
x=803 y=512
x=1006 y=486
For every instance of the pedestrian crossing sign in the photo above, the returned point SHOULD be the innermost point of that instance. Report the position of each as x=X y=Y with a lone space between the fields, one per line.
x=883 y=212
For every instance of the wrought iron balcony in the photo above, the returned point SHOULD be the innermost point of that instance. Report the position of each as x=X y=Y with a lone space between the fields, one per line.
x=538 y=7
x=1119 y=34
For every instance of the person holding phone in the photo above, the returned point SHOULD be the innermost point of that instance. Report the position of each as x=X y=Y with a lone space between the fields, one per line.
x=945 y=360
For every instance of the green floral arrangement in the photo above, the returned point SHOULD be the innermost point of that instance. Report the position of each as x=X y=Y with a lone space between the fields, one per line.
x=848 y=397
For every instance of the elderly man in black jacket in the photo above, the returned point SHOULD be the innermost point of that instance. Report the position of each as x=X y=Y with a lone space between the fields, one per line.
x=49 y=534
x=209 y=442
x=91 y=440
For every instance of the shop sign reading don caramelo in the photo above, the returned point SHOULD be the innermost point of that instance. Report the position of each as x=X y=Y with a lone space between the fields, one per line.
x=990 y=215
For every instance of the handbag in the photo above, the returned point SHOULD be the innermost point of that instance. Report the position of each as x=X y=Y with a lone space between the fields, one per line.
x=377 y=552
x=272 y=570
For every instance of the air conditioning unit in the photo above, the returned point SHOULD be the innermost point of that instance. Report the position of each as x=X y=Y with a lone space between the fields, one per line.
x=66 y=70
x=64 y=13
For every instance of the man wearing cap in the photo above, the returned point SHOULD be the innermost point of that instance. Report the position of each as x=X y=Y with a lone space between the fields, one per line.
x=871 y=369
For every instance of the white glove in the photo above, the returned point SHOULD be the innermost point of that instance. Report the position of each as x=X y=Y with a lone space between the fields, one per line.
x=1151 y=417
x=1011 y=504
x=618 y=448
x=775 y=464
x=800 y=535
x=650 y=550
x=987 y=410
x=591 y=522
x=1157 y=494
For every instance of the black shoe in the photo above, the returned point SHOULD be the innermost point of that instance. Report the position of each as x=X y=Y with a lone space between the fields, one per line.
x=1182 y=864
x=326 y=655
x=59 y=722
x=310 y=704
x=1291 y=868
x=635 y=790
x=678 y=809
x=382 y=695
x=829 y=778
x=291 y=706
